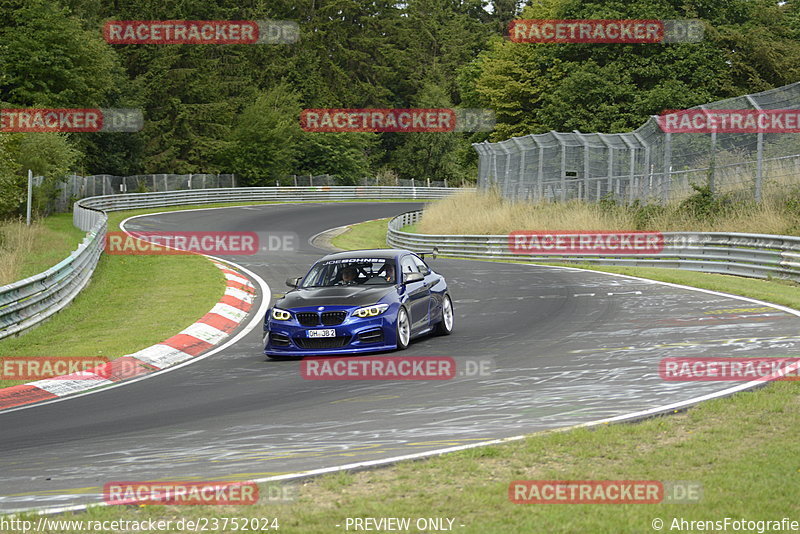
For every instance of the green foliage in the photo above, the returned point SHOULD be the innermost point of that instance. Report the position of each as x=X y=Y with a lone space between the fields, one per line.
x=424 y=156
x=264 y=146
x=705 y=204
x=644 y=215
x=748 y=47
x=12 y=185
x=234 y=108
x=47 y=59
x=50 y=155
x=344 y=155
x=792 y=207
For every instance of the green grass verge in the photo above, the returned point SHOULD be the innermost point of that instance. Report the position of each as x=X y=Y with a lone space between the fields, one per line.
x=53 y=246
x=131 y=303
x=366 y=235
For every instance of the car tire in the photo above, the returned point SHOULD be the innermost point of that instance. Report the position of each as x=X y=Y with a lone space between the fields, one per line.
x=403 y=327
x=445 y=325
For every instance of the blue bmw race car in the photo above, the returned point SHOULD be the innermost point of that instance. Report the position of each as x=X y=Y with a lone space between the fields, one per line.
x=358 y=301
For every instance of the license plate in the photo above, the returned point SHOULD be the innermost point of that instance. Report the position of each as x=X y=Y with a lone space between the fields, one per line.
x=328 y=332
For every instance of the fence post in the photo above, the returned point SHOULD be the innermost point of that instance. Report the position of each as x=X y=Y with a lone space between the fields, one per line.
x=645 y=169
x=30 y=196
x=540 y=175
x=759 y=151
x=563 y=165
x=712 y=164
x=609 y=166
x=494 y=165
x=521 y=173
x=584 y=195
x=667 y=179
x=759 y=166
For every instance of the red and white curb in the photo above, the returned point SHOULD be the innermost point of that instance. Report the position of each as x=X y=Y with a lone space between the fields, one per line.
x=209 y=331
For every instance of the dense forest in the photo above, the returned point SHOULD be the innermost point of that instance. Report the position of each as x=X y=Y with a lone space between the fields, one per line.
x=235 y=108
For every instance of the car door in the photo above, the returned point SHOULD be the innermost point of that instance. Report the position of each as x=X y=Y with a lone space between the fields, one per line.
x=430 y=282
x=418 y=293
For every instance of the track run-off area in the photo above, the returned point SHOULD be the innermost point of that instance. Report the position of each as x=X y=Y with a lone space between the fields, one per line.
x=565 y=347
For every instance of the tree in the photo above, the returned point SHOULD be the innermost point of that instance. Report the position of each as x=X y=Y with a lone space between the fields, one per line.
x=535 y=88
x=345 y=155
x=429 y=155
x=50 y=155
x=12 y=185
x=47 y=59
x=265 y=138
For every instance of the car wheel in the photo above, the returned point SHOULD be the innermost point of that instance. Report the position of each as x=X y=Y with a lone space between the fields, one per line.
x=403 y=329
x=445 y=325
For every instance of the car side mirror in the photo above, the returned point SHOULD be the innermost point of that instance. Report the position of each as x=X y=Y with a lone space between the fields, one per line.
x=293 y=282
x=412 y=277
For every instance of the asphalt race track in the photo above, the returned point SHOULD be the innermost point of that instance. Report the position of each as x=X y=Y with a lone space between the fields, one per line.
x=566 y=347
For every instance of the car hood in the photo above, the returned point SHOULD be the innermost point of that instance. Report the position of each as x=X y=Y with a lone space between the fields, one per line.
x=334 y=296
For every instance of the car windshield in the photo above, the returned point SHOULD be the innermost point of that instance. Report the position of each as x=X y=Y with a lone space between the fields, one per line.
x=351 y=272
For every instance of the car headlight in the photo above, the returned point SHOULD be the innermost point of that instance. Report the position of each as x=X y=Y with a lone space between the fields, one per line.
x=281 y=315
x=371 y=311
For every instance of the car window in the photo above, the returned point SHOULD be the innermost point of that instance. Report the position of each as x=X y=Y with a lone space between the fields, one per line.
x=420 y=265
x=407 y=265
x=355 y=271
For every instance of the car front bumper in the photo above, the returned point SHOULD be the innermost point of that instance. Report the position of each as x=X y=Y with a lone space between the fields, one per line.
x=353 y=336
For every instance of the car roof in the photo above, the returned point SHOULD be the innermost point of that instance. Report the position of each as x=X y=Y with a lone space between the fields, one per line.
x=383 y=253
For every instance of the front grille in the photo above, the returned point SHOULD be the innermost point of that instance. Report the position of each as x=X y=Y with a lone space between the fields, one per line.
x=308 y=318
x=371 y=336
x=331 y=318
x=321 y=342
x=279 y=340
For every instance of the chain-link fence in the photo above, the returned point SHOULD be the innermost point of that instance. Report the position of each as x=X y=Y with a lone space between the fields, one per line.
x=77 y=187
x=328 y=180
x=648 y=164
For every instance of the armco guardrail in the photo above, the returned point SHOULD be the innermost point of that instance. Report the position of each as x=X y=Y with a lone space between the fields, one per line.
x=32 y=300
x=256 y=194
x=751 y=255
x=28 y=302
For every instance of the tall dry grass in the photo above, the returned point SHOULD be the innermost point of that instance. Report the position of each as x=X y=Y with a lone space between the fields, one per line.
x=17 y=241
x=489 y=213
